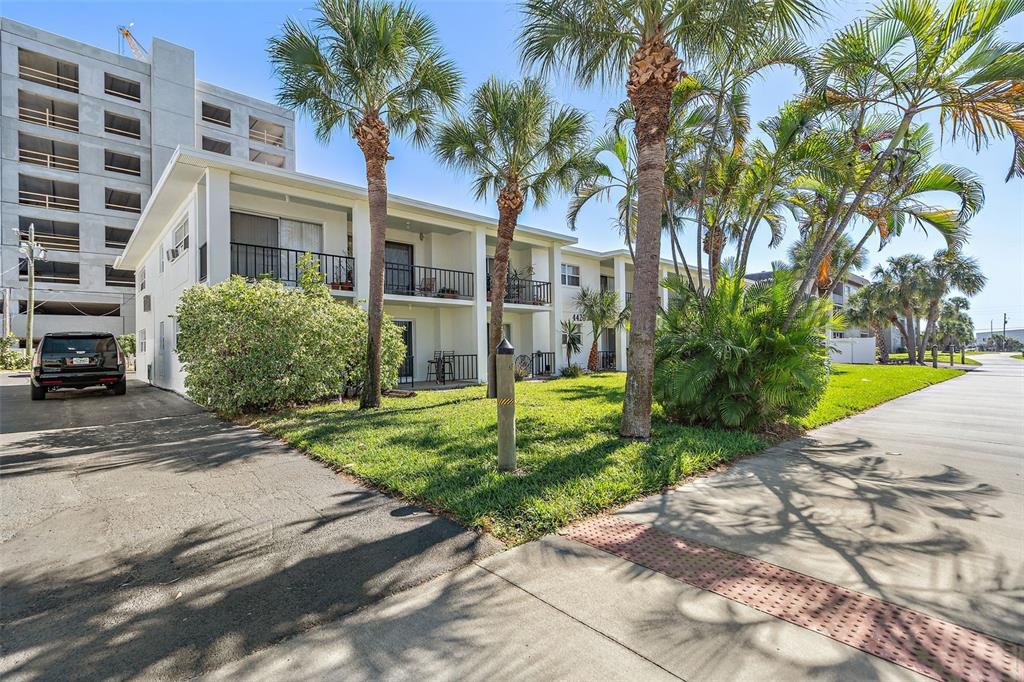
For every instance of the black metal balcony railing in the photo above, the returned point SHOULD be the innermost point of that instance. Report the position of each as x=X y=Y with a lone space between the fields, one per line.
x=252 y=262
x=527 y=291
x=419 y=280
x=405 y=371
x=543 y=364
x=606 y=359
x=629 y=297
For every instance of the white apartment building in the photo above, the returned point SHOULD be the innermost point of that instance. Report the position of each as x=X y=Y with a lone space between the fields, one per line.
x=84 y=134
x=212 y=216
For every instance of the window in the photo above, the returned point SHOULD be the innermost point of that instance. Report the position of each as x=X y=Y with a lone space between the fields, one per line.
x=162 y=345
x=577 y=337
x=217 y=146
x=275 y=160
x=211 y=113
x=140 y=278
x=41 y=68
x=140 y=341
x=180 y=240
x=119 y=124
x=266 y=132
x=122 y=87
x=49 y=153
x=176 y=331
x=50 y=271
x=202 y=263
x=55 y=194
x=47 y=112
x=117 y=237
x=119 y=278
x=570 y=275
x=607 y=283
x=118 y=162
x=51 y=234
x=120 y=200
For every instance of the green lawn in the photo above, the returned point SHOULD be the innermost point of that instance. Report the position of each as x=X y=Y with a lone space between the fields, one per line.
x=1018 y=356
x=855 y=388
x=943 y=358
x=438 y=447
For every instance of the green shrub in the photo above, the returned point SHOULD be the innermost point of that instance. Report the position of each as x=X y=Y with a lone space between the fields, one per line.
x=572 y=371
x=250 y=346
x=12 y=357
x=730 y=363
x=127 y=343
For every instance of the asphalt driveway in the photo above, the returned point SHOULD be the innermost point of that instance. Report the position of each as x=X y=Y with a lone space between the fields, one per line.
x=139 y=536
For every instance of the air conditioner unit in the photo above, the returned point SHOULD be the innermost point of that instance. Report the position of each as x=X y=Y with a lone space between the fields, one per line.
x=172 y=254
x=146 y=303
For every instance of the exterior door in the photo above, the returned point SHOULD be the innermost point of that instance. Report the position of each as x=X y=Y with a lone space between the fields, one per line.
x=405 y=372
x=398 y=275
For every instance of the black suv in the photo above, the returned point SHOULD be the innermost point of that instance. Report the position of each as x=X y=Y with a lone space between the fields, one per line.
x=77 y=360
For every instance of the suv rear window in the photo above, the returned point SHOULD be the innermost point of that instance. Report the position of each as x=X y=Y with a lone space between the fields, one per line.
x=72 y=344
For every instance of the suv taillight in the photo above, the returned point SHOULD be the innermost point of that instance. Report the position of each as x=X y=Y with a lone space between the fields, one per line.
x=37 y=357
x=120 y=355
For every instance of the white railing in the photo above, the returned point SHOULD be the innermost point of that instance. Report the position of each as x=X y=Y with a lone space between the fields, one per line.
x=48 y=119
x=48 y=160
x=60 y=242
x=266 y=137
x=60 y=279
x=126 y=133
x=30 y=73
x=122 y=169
x=123 y=207
x=123 y=95
x=217 y=121
x=28 y=198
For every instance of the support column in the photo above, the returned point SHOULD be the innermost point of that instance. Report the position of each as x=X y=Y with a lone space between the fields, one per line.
x=218 y=225
x=555 y=326
x=480 y=312
x=361 y=251
x=621 y=335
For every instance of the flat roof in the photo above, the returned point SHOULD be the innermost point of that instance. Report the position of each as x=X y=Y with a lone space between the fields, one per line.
x=187 y=165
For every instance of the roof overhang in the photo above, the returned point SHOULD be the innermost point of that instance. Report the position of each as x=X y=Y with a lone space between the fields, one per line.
x=188 y=165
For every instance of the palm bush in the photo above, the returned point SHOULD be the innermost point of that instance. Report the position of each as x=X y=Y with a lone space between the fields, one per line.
x=733 y=362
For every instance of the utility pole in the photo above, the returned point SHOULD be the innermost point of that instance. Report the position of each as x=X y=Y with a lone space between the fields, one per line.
x=32 y=251
x=7 y=312
x=1003 y=340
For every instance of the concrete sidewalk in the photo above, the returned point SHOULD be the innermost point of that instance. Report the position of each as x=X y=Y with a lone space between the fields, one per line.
x=919 y=502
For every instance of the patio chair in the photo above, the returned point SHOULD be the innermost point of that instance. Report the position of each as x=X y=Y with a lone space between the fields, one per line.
x=442 y=366
x=428 y=286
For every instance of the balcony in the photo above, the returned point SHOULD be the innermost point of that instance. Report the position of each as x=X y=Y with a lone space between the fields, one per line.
x=50 y=234
x=524 y=291
x=606 y=360
x=266 y=132
x=122 y=87
x=47 y=112
x=255 y=262
x=36 y=67
x=418 y=280
x=49 y=153
x=126 y=126
x=47 y=193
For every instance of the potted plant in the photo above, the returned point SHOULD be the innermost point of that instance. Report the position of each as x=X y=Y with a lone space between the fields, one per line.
x=448 y=292
x=346 y=285
x=335 y=285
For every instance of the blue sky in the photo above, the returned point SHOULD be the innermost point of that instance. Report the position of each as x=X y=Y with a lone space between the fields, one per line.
x=229 y=39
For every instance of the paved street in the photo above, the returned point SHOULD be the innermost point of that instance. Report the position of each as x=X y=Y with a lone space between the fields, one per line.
x=181 y=546
x=919 y=502
x=140 y=536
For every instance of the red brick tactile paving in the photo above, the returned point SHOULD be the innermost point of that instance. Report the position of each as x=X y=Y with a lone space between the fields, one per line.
x=925 y=644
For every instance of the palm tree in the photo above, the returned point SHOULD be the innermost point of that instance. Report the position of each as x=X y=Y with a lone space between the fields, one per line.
x=601 y=309
x=518 y=144
x=842 y=252
x=571 y=332
x=900 y=284
x=601 y=180
x=946 y=272
x=376 y=68
x=913 y=57
x=869 y=307
x=640 y=42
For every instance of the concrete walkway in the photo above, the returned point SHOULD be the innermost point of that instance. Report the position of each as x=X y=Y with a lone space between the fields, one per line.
x=919 y=502
x=140 y=537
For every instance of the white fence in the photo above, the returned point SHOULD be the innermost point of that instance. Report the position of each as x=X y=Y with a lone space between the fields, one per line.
x=853 y=351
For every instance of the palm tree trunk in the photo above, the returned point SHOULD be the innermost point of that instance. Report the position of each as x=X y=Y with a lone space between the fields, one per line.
x=882 y=344
x=910 y=338
x=372 y=136
x=592 y=362
x=653 y=72
x=510 y=204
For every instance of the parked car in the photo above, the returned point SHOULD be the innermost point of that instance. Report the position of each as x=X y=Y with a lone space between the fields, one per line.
x=78 y=360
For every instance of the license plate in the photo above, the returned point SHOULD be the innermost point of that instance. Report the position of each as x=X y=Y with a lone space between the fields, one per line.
x=80 y=361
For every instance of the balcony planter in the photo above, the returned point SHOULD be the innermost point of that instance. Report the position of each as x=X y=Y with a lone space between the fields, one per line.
x=447 y=293
x=335 y=286
x=346 y=286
